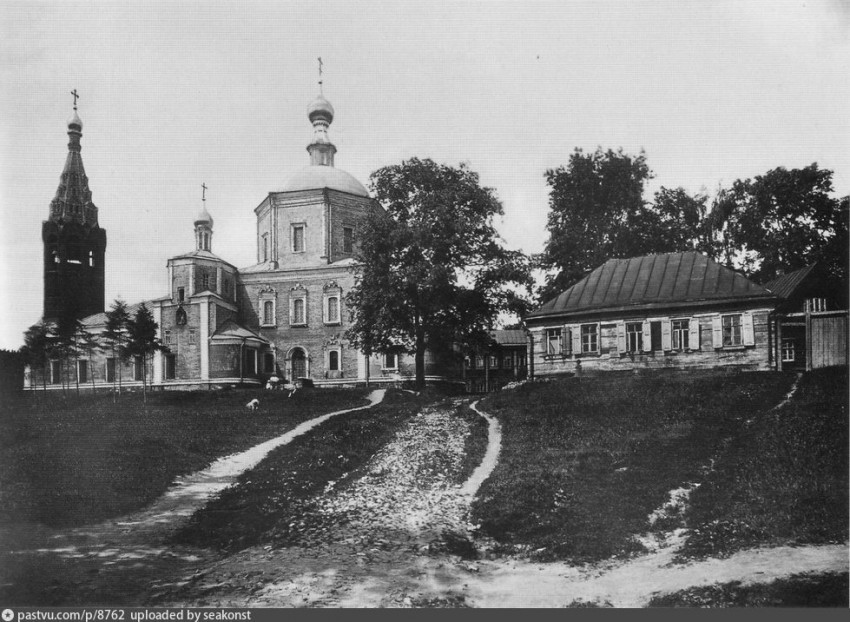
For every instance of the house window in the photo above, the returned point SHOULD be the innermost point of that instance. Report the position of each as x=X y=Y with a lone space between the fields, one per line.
x=181 y=294
x=55 y=372
x=333 y=360
x=265 y=247
x=191 y=335
x=297 y=238
x=347 y=240
x=82 y=371
x=138 y=368
x=332 y=314
x=553 y=341
x=789 y=354
x=91 y=258
x=508 y=360
x=170 y=366
x=166 y=337
x=390 y=360
x=732 y=330
x=681 y=330
x=268 y=363
x=110 y=369
x=655 y=336
x=268 y=313
x=299 y=312
x=494 y=361
x=589 y=338
x=634 y=337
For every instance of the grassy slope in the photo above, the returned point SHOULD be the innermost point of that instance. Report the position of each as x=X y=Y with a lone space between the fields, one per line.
x=584 y=461
x=827 y=590
x=784 y=479
x=77 y=460
x=271 y=503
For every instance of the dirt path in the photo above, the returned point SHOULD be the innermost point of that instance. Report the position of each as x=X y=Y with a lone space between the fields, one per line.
x=106 y=562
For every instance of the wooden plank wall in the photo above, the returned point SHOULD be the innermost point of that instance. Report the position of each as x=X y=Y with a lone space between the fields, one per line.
x=829 y=341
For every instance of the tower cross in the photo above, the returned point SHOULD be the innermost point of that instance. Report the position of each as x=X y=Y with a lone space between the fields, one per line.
x=204 y=192
x=320 y=74
x=76 y=97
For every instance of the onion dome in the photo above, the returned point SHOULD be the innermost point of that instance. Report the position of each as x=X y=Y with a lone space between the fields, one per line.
x=320 y=108
x=75 y=122
x=203 y=217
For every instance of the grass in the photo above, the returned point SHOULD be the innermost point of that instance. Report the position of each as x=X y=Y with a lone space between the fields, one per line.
x=782 y=480
x=802 y=590
x=584 y=461
x=271 y=504
x=76 y=460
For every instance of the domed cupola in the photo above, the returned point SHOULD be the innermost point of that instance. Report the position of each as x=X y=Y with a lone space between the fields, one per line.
x=320 y=109
x=203 y=225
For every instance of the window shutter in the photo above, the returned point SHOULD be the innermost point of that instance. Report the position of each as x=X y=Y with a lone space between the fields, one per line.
x=621 y=337
x=575 y=333
x=647 y=337
x=666 y=339
x=747 y=329
x=693 y=337
x=566 y=341
x=716 y=332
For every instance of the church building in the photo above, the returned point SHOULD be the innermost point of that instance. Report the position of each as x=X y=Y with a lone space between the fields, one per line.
x=283 y=316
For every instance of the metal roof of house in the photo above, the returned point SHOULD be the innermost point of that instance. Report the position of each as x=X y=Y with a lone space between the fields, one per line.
x=785 y=285
x=100 y=318
x=511 y=337
x=665 y=279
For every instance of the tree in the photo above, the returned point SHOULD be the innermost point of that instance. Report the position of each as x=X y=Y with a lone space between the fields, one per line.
x=89 y=343
x=36 y=348
x=117 y=319
x=782 y=221
x=433 y=270
x=598 y=212
x=142 y=340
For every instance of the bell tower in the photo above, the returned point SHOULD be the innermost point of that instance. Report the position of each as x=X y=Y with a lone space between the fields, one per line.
x=74 y=243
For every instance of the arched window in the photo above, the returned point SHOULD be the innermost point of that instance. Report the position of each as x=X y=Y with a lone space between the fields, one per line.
x=333 y=309
x=268 y=312
x=181 y=316
x=298 y=311
x=333 y=360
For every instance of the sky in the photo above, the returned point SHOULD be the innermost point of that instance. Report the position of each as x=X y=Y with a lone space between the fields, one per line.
x=174 y=95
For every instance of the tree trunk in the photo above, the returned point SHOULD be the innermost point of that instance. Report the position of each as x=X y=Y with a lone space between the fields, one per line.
x=144 y=378
x=420 y=359
x=118 y=365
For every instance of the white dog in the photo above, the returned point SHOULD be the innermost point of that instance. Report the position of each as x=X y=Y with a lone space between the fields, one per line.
x=253 y=404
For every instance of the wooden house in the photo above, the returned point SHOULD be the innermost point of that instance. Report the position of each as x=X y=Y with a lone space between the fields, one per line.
x=673 y=310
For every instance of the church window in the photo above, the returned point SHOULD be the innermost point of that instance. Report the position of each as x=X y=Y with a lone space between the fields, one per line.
x=268 y=363
x=138 y=368
x=110 y=369
x=192 y=335
x=82 y=371
x=205 y=281
x=55 y=372
x=299 y=312
x=181 y=317
x=91 y=258
x=166 y=338
x=265 y=247
x=347 y=239
x=268 y=313
x=297 y=238
x=181 y=294
x=390 y=360
x=170 y=367
x=332 y=310
x=333 y=360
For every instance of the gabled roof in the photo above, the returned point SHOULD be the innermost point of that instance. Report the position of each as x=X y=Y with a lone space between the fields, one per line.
x=511 y=337
x=785 y=285
x=657 y=280
x=202 y=255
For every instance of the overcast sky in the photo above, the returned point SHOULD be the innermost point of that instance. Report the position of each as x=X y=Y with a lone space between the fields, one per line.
x=176 y=95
